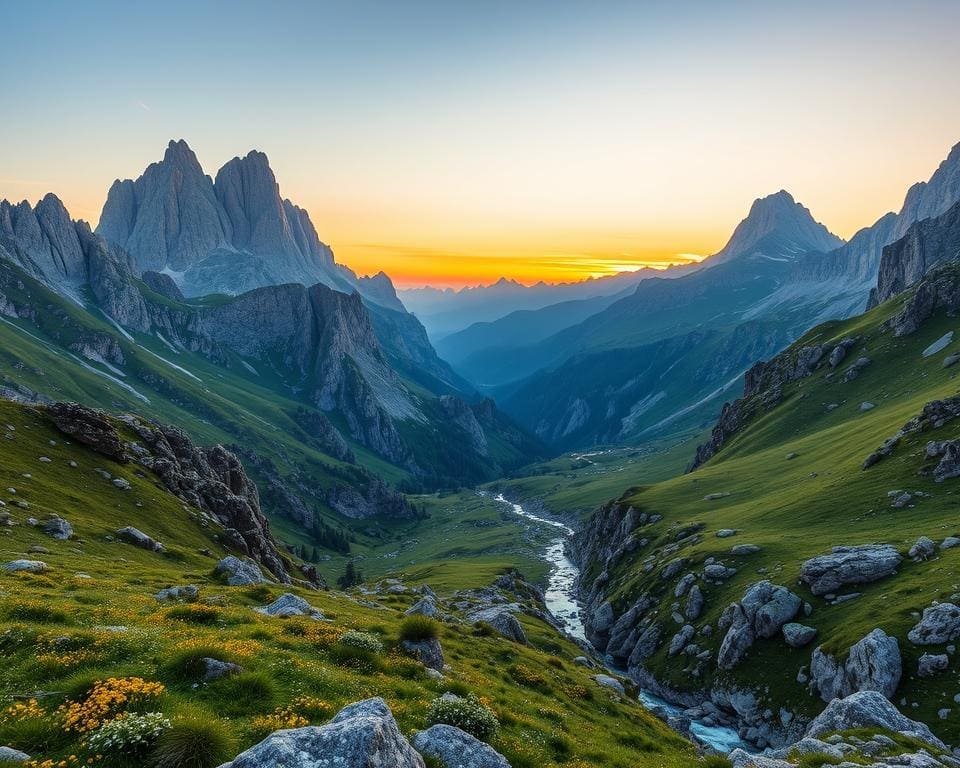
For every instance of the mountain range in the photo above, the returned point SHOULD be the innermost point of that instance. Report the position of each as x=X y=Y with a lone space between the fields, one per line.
x=660 y=356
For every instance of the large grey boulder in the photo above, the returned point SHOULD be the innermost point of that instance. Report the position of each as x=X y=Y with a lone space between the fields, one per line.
x=57 y=527
x=849 y=565
x=930 y=664
x=28 y=566
x=873 y=664
x=361 y=735
x=457 y=749
x=427 y=652
x=868 y=709
x=138 y=538
x=761 y=613
x=798 y=635
x=940 y=624
x=425 y=606
x=185 y=592
x=923 y=549
x=289 y=604
x=503 y=621
x=239 y=573
x=11 y=755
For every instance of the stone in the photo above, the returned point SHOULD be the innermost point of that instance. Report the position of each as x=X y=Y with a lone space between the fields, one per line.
x=57 y=527
x=214 y=669
x=867 y=406
x=239 y=573
x=930 y=664
x=725 y=533
x=798 y=635
x=951 y=359
x=695 y=603
x=717 y=572
x=455 y=748
x=503 y=622
x=761 y=613
x=681 y=639
x=873 y=664
x=950 y=542
x=868 y=709
x=849 y=565
x=11 y=755
x=744 y=549
x=923 y=549
x=186 y=592
x=138 y=538
x=90 y=427
x=609 y=682
x=583 y=661
x=361 y=735
x=289 y=604
x=26 y=566
x=428 y=652
x=425 y=606
x=122 y=483
x=940 y=624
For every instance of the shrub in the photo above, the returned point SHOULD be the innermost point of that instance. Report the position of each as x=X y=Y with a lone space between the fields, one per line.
x=194 y=613
x=193 y=741
x=418 y=628
x=362 y=640
x=243 y=694
x=469 y=714
x=130 y=734
x=188 y=664
x=27 y=727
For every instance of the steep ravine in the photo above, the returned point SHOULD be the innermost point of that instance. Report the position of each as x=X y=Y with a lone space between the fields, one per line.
x=563 y=602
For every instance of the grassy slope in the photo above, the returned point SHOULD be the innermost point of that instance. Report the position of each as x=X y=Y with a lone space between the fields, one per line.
x=51 y=640
x=799 y=508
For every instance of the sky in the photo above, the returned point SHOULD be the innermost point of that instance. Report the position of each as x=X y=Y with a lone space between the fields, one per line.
x=451 y=143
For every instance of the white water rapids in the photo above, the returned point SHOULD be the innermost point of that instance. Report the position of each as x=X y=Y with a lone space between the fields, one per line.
x=563 y=604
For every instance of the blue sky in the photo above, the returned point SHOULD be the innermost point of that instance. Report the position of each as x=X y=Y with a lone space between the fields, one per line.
x=444 y=139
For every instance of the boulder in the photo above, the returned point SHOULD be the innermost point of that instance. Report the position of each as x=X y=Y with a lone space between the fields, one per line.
x=923 y=549
x=609 y=682
x=950 y=542
x=138 y=538
x=681 y=639
x=184 y=592
x=90 y=427
x=873 y=664
x=798 y=635
x=427 y=652
x=214 y=669
x=289 y=604
x=503 y=621
x=932 y=663
x=454 y=748
x=940 y=624
x=239 y=573
x=849 y=565
x=761 y=613
x=27 y=566
x=361 y=735
x=717 y=572
x=57 y=527
x=868 y=709
x=744 y=549
x=695 y=603
x=11 y=755
x=425 y=606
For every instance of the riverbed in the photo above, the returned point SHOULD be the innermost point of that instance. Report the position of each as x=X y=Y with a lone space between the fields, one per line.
x=563 y=603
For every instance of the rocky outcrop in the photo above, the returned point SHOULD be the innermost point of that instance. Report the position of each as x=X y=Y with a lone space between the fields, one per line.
x=238 y=572
x=138 y=538
x=939 y=290
x=454 y=747
x=361 y=735
x=211 y=479
x=849 y=565
x=873 y=664
x=940 y=624
x=289 y=604
x=933 y=415
x=761 y=613
x=868 y=709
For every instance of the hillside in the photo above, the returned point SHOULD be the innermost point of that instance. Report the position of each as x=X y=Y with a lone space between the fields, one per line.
x=89 y=613
x=846 y=439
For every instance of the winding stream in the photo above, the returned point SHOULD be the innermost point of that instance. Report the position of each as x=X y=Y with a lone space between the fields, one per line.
x=563 y=604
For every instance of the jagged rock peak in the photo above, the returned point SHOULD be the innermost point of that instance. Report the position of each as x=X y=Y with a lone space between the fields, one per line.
x=778 y=227
x=927 y=199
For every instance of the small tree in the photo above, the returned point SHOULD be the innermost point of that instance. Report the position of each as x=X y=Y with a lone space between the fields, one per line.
x=351 y=576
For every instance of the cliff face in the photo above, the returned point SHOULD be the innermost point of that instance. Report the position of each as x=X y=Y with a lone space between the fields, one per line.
x=925 y=244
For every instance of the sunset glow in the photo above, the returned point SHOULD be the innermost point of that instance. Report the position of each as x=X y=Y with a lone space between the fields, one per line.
x=539 y=142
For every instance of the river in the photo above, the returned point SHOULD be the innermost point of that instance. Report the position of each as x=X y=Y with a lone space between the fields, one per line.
x=563 y=604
